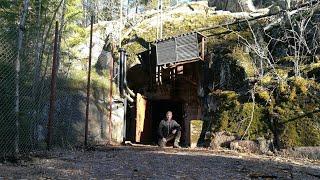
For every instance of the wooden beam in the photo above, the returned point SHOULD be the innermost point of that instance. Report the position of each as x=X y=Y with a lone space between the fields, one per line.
x=202 y=48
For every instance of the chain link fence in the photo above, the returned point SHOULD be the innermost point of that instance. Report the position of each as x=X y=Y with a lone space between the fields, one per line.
x=23 y=124
x=19 y=101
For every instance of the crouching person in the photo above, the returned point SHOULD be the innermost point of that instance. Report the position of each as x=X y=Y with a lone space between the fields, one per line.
x=169 y=130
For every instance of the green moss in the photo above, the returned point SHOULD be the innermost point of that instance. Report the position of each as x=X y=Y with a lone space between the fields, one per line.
x=228 y=95
x=286 y=59
x=283 y=73
x=293 y=94
x=266 y=80
x=309 y=132
x=298 y=125
x=79 y=35
x=183 y=24
x=224 y=121
x=78 y=80
x=237 y=120
x=283 y=87
x=301 y=84
x=244 y=60
x=264 y=95
x=258 y=127
x=235 y=117
x=312 y=71
x=289 y=137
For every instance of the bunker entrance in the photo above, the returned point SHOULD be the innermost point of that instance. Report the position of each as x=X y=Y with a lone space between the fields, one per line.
x=150 y=113
x=158 y=112
x=167 y=79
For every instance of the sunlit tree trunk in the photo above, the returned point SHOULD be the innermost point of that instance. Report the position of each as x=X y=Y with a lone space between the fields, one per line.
x=37 y=66
x=21 y=27
x=62 y=19
x=84 y=10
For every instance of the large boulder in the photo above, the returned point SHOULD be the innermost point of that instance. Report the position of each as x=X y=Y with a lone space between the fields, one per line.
x=245 y=146
x=221 y=139
x=265 y=145
x=302 y=152
x=233 y=5
x=261 y=146
x=251 y=5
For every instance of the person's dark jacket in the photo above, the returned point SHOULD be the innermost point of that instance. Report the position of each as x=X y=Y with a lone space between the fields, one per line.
x=166 y=127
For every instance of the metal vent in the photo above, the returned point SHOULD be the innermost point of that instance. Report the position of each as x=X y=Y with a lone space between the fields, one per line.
x=178 y=49
x=166 y=51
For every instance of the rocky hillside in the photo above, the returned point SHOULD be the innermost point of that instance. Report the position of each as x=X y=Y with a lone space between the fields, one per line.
x=263 y=76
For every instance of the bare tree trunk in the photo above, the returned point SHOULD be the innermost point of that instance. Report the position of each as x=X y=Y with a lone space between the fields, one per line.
x=137 y=5
x=49 y=28
x=60 y=33
x=17 y=69
x=84 y=9
x=128 y=7
x=37 y=64
x=38 y=49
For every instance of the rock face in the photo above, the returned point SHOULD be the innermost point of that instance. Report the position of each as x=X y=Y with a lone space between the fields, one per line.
x=221 y=139
x=230 y=68
x=227 y=140
x=302 y=152
x=265 y=146
x=261 y=146
x=245 y=146
x=233 y=5
x=251 y=5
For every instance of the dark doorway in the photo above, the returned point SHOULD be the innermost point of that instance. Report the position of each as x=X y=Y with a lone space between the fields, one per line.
x=144 y=119
x=159 y=108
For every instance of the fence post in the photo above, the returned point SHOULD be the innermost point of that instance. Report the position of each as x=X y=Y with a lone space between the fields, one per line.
x=53 y=88
x=88 y=88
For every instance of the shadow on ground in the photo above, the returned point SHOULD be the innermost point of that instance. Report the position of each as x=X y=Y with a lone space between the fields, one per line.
x=155 y=163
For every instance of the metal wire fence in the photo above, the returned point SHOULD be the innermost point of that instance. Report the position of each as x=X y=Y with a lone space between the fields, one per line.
x=23 y=124
x=17 y=99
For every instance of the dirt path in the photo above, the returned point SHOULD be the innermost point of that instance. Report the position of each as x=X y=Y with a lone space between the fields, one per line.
x=154 y=163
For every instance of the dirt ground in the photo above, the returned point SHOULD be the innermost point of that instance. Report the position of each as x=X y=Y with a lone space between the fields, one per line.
x=148 y=162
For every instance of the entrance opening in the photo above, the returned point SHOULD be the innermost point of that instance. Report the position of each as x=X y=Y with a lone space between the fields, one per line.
x=159 y=108
x=144 y=119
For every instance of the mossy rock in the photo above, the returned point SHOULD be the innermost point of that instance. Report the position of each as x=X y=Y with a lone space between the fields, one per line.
x=314 y=73
x=301 y=84
x=302 y=132
x=289 y=136
x=235 y=117
x=287 y=61
x=244 y=60
x=228 y=95
x=179 y=23
x=298 y=126
x=263 y=95
x=258 y=126
x=266 y=80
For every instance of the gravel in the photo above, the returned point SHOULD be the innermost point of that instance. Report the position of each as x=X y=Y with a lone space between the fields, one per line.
x=148 y=162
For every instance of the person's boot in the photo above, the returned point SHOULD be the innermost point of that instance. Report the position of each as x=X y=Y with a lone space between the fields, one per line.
x=161 y=143
x=176 y=144
x=177 y=140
